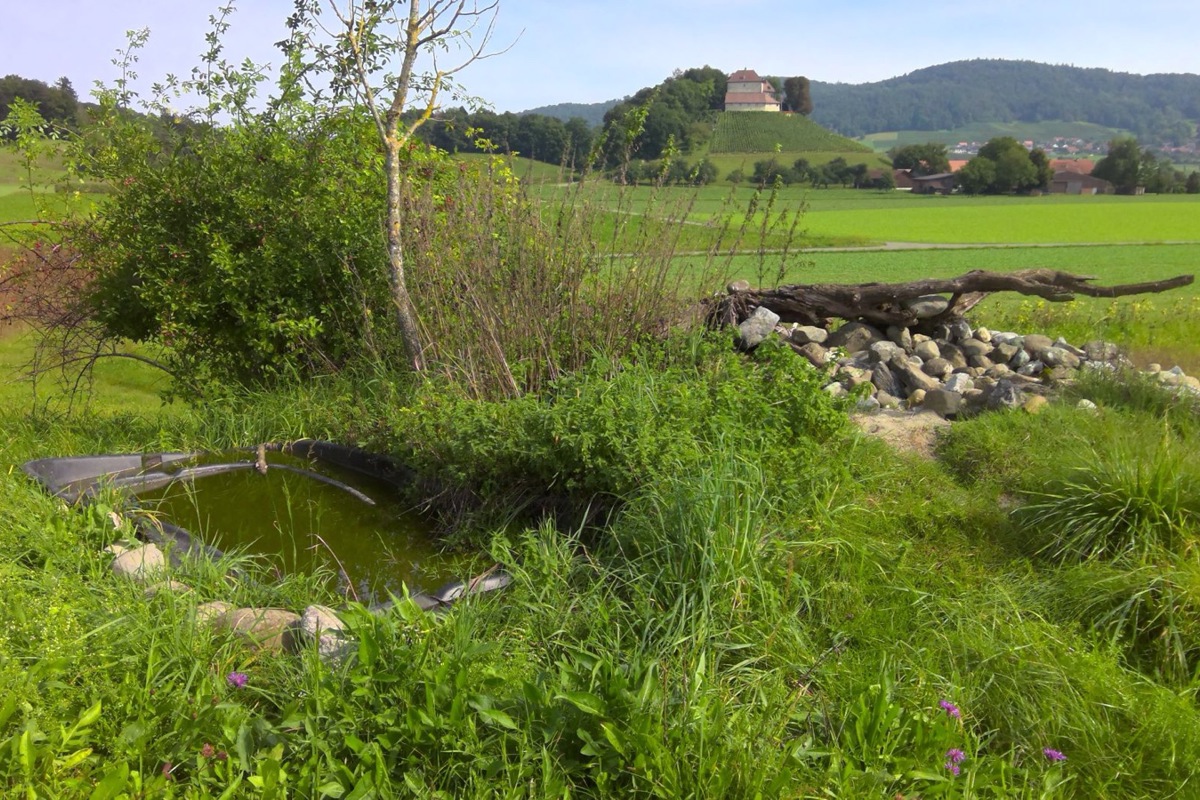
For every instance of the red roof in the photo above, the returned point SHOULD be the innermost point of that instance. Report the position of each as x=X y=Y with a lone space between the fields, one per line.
x=750 y=98
x=1083 y=166
x=744 y=75
x=957 y=163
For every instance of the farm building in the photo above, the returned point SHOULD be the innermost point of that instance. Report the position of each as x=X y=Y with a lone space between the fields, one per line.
x=747 y=91
x=942 y=183
x=903 y=179
x=1069 y=182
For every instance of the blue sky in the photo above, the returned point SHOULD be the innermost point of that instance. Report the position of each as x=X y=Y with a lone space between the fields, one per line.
x=592 y=50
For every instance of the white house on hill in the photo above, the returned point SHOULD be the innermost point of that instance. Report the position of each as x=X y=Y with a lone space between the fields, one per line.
x=749 y=92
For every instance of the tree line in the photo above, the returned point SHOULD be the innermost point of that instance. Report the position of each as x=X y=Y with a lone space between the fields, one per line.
x=58 y=104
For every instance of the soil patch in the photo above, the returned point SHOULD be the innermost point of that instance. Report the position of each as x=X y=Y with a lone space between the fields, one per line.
x=907 y=431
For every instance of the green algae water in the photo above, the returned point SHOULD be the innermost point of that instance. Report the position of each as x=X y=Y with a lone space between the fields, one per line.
x=299 y=523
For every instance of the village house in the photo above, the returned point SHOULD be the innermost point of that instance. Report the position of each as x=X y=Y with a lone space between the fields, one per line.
x=1071 y=182
x=747 y=91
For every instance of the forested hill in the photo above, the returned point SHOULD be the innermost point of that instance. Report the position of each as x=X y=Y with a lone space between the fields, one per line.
x=591 y=113
x=1157 y=107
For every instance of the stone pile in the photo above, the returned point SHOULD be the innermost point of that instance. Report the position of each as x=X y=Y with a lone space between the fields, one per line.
x=956 y=371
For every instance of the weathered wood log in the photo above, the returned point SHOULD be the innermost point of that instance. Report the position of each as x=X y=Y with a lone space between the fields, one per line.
x=884 y=304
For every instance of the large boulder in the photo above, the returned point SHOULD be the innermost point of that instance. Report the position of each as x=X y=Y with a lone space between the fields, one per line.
x=142 y=564
x=269 y=629
x=758 y=327
x=943 y=402
x=806 y=334
x=854 y=337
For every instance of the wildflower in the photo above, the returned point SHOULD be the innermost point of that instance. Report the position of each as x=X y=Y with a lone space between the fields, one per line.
x=236 y=679
x=954 y=768
x=208 y=751
x=1053 y=755
x=956 y=755
x=950 y=709
x=167 y=767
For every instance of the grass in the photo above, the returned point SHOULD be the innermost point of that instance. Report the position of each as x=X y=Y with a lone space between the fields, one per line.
x=762 y=132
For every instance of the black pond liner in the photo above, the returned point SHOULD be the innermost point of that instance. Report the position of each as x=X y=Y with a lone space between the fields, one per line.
x=78 y=478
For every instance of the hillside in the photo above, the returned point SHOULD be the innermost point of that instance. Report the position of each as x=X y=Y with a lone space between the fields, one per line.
x=1157 y=107
x=766 y=132
x=591 y=113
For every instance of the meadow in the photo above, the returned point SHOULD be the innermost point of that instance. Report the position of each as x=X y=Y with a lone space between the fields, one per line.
x=721 y=588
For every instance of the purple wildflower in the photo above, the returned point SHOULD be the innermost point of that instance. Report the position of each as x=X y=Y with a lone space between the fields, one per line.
x=954 y=768
x=955 y=755
x=950 y=709
x=208 y=751
x=1054 y=755
x=236 y=679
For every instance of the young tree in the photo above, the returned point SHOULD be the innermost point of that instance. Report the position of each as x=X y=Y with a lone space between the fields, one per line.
x=1192 y=186
x=929 y=158
x=1122 y=167
x=373 y=61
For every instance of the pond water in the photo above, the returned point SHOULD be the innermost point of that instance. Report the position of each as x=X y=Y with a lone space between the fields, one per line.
x=362 y=532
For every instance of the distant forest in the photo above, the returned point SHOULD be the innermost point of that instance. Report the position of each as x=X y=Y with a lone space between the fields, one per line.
x=58 y=104
x=1157 y=108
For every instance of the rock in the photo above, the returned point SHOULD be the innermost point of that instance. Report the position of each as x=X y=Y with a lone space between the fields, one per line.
x=883 y=352
x=1005 y=337
x=1190 y=382
x=817 y=355
x=901 y=336
x=316 y=620
x=1006 y=395
x=937 y=367
x=836 y=390
x=758 y=327
x=926 y=307
x=117 y=548
x=1020 y=359
x=974 y=400
x=1032 y=369
x=1004 y=352
x=1098 y=350
x=212 y=610
x=959 y=383
x=982 y=363
x=737 y=286
x=262 y=628
x=974 y=347
x=884 y=380
x=953 y=353
x=868 y=404
x=141 y=563
x=983 y=335
x=912 y=377
x=320 y=625
x=1063 y=344
x=1036 y=344
x=1086 y=405
x=809 y=334
x=171 y=587
x=1153 y=369
x=887 y=400
x=916 y=398
x=944 y=402
x=1035 y=404
x=854 y=337
x=1060 y=357
x=1059 y=375
x=853 y=376
x=927 y=350
x=957 y=331
x=999 y=371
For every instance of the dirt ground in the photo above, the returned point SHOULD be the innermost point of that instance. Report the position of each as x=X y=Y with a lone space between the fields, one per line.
x=904 y=430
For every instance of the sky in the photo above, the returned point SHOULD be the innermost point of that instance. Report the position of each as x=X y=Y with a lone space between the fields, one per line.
x=593 y=50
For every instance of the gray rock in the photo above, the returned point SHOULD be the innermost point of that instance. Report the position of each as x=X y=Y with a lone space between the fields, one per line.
x=737 y=286
x=927 y=350
x=1070 y=348
x=1006 y=337
x=142 y=564
x=999 y=371
x=1153 y=369
x=913 y=377
x=983 y=335
x=959 y=383
x=817 y=355
x=887 y=400
x=853 y=376
x=1086 y=405
x=1005 y=352
x=883 y=352
x=806 y=334
x=1036 y=344
x=316 y=620
x=836 y=391
x=953 y=353
x=926 y=307
x=1033 y=368
x=1098 y=350
x=974 y=400
x=1060 y=357
x=885 y=380
x=981 y=363
x=938 y=368
x=957 y=331
x=868 y=404
x=1006 y=395
x=901 y=336
x=854 y=337
x=944 y=402
x=974 y=347
x=1020 y=359
x=758 y=327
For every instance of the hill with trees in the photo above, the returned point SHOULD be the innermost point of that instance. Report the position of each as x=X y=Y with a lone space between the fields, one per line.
x=1160 y=108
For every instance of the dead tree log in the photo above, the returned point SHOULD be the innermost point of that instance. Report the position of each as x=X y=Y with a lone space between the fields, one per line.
x=884 y=304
